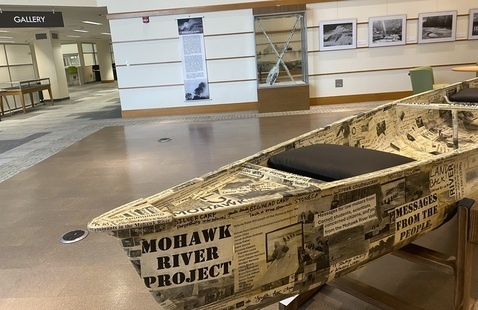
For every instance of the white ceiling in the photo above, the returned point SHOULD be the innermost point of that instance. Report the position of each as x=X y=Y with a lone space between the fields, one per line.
x=72 y=19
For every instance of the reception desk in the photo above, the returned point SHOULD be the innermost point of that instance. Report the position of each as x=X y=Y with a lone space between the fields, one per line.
x=22 y=88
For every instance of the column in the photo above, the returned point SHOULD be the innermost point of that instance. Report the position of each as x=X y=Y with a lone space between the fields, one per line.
x=104 y=61
x=49 y=60
x=81 y=68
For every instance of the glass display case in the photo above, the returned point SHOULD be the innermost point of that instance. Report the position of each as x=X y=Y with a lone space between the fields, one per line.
x=281 y=49
x=281 y=57
x=10 y=85
x=21 y=88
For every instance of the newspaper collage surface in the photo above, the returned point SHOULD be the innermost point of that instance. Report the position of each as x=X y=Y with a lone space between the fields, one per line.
x=247 y=235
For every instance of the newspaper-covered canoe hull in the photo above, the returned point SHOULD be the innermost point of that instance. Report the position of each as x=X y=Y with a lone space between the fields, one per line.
x=247 y=235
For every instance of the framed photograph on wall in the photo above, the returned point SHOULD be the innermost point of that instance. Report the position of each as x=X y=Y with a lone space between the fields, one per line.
x=436 y=27
x=338 y=34
x=387 y=30
x=473 y=25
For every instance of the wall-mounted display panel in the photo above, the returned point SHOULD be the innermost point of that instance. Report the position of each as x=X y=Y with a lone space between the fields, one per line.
x=387 y=30
x=338 y=34
x=436 y=27
x=473 y=24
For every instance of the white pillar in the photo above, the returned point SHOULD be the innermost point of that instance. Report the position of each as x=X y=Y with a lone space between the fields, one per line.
x=104 y=60
x=49 y=60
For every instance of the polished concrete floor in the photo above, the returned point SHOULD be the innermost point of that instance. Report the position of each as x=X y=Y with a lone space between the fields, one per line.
x=62 y=165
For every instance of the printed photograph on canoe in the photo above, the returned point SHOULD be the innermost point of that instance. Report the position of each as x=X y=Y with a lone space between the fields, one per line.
x=315 y=251
x=313 y=259
x=282 y=252
x=346 y=244
x=436 y=27
x=417 y=186
x=393 y=195
x=314 y=255
x=379 y=247
x=346 y=196
x=338 y=34
x=359 y=133
x=429 y=131
x=343 y=130
x=379 y=130
x=386 y=30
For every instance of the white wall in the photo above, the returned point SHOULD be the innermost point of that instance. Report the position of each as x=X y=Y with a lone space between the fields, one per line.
x=123 y=6
x=149 y=68
x=150 y=71
x=326 y=66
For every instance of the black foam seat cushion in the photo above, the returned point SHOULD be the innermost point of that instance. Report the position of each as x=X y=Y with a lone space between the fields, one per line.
x=465 y=95
x=330 y=162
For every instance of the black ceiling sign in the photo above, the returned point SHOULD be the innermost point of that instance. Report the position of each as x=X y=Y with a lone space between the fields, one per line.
x=13 y=19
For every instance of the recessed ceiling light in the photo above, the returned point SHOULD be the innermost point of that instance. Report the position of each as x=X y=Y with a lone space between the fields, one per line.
x=91 y=23
x=7 y=41
x=106 y=33
x=80 y=30
x=4 y=31
x=2 y=37
x=70 y=36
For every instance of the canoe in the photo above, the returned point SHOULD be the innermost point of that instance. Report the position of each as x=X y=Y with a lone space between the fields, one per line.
x=294 y=216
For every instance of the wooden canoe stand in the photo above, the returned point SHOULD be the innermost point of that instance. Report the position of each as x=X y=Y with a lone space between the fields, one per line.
x=460 y=266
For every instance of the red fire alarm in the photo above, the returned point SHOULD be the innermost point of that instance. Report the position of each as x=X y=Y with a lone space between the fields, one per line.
x=145 y=19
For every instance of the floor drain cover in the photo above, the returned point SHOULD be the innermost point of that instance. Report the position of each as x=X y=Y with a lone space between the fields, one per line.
x=163 y=140
x=74 y=236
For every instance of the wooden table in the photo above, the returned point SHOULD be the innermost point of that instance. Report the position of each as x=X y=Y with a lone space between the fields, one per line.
x=22 y=91
x=466 y=68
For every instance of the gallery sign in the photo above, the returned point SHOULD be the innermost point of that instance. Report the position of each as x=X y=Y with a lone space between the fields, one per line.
x=19 y=19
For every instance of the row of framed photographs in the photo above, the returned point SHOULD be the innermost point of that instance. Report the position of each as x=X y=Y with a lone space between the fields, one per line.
x=390 y=30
